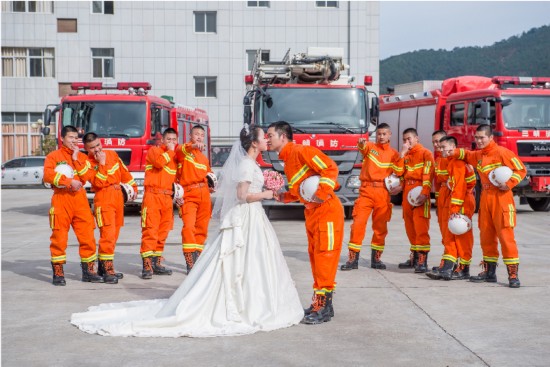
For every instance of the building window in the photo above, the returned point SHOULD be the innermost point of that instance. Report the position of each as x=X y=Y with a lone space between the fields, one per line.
x=67 y=26
x=103 y=7
x=19 y=137
x=326 y=4
x=103 y=62
x=257 y=4
x=205 y=86
x=38 y=61
x=251 y=57
x=27 y=7
x=205 y=21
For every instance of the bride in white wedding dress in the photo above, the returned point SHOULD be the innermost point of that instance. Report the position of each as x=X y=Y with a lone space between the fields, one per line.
x=240 y=284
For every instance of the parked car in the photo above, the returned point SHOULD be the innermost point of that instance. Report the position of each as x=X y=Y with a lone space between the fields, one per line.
x=28 y=170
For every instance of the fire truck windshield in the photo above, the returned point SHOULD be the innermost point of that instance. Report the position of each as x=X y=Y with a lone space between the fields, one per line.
x=335 y=109
x=106 y=119
x=527 y=112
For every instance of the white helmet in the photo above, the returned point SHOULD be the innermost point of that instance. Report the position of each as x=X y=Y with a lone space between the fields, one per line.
x=128 y=192
x=65 y=170
x=212 y=180
x=178 y=191
x=392 y=182
x=413 y=195
x=309 y=187
x=500 y=175
x=459 y=224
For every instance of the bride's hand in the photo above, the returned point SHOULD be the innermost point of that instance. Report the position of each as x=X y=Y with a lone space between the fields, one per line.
x=268 y=194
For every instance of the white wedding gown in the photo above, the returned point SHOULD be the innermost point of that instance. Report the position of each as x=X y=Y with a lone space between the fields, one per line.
x=240 y=285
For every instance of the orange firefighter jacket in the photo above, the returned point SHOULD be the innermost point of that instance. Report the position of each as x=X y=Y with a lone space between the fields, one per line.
x=160 y=168
x=419 y=166
x=64 y=156
x=462 y=180
x=113 y=172
x=193 y=165
x=380 y=161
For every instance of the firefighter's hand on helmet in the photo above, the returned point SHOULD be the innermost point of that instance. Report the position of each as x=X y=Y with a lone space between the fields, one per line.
x=179 y=202
x=421 y=199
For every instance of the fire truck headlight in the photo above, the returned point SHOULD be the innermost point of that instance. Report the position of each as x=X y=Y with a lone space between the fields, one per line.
x=353 y=182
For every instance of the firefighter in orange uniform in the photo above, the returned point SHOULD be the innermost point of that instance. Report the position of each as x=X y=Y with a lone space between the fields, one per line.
x=157 y=208
x=440 y=177
x=418 y=172
x=107 y=173
x=497 y=210
x=324 y=218
x=380 y=160
x=457 y=198
x=193 y=168
x=70 y=208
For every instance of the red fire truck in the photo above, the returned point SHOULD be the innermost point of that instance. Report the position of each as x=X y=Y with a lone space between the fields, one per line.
x=518 y=109
x=127 y=119
x=326 y=110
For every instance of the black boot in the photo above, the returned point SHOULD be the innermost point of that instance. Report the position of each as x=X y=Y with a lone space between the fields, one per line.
x=147 y=272
x=158 y=268
x=513 y=280
x=89 y=274
x=58 y=274
x=353 y=261
x=461 y=272
x=445 y=272
x=100 y=270
x=106 y=270
x=321 y=310
x=375 y=261
x=308 y=310
x=422 y=263
x=411 y=262
x=438 y=267
x=487 y=275
x=189 y=260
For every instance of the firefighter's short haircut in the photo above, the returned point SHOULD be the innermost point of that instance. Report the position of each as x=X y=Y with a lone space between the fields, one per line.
x=68 y=129
x=169 y=131
x=282 y=127
x=410 y=130
x=383 y=126
x=89 y=137
x=486 y=128
x=197 y=127
x=439 y=132
x=450 y=139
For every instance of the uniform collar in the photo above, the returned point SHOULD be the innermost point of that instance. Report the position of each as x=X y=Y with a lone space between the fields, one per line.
x=489 y=148
x=283 y=154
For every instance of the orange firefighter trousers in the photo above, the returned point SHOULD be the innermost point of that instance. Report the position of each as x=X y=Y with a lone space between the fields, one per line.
x=417 y=222
x=375 y=200
x=109 y=215
x=195 y=213
x=497 y=219
x=458 y=246
x=325 y=229
x=157 y=219
x=71 y=209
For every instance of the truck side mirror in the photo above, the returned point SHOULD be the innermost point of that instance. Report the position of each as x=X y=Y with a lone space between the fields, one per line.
x=484 y=110
x=46 y=131
x=247 y=115
x=374 y=109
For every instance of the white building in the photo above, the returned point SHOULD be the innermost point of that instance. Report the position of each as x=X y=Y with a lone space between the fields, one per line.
x=196 y=51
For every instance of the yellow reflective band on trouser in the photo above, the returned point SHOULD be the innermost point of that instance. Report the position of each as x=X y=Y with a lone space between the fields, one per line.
x=104 y=257
x=330 y=234
x=58 y=259
x=89 y=259
x=465 y=262
x=192 y=246
x=157 y=253
x=511 y=211
x=510 y=261
x=354 y=246
x=425 y=248
x=98 y=217
x=377 y=247
x=489 y=259
x=144 y=218
x=147 y=254
x=449 y=257
x=427 y=208
x=52 y=218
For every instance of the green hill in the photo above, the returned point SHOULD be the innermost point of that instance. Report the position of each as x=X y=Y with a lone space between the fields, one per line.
x=525 y=55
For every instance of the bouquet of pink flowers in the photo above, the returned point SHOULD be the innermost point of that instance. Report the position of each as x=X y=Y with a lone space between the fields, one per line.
x=273 y=180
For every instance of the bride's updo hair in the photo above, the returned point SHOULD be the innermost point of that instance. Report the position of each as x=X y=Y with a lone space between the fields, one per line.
x=248 y=135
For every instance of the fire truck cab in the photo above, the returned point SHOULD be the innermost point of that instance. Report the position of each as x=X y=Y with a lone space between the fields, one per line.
x=327 y=110
x=517 y=108
x=127 y=119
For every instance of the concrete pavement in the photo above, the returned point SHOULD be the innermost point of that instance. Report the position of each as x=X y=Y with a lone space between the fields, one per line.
x=387 y=317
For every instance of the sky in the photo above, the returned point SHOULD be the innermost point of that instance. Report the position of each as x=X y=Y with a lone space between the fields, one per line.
x=415 y=25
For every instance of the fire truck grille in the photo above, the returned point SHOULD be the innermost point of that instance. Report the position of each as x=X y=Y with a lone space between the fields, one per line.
x=125 y=156
x=534 y=149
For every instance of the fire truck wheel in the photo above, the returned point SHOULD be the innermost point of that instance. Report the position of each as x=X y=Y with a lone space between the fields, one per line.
x=539 y=204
